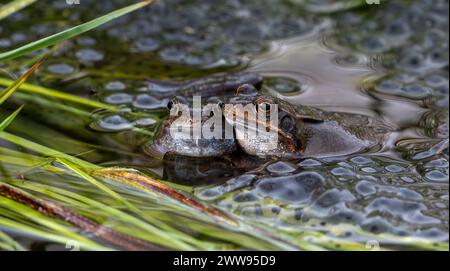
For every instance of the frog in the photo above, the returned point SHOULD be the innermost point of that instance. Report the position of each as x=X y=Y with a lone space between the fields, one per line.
x=305 y=131
x=175 y=134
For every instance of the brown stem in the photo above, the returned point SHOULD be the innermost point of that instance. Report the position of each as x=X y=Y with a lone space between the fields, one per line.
x=136 y=179
x=54 y=210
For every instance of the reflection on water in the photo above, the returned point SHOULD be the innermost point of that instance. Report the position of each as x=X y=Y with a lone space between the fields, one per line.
x=326 y=83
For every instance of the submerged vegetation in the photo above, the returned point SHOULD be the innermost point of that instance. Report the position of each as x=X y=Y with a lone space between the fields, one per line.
x=62 y=186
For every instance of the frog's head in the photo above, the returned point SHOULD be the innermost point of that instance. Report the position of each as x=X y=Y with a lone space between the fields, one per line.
x=264 y=126
x=181 y=132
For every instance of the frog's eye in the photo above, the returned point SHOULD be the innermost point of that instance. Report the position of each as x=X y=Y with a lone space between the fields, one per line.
x=170 y=105
x=287 y=124
x=264 y=106
x=246 y=90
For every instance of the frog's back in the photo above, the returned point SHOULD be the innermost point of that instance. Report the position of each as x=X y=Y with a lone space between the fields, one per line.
x=332 y=133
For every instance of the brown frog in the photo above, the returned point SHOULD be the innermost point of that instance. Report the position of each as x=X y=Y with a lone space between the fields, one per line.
x=308 y=131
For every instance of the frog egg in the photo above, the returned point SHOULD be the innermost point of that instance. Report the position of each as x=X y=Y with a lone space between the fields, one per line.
x=345 y=216
x=394 y=168
x=115 y=85
x=413 y=61
x=231 y=185
x=288 y=27
x=332 y=200
x=408 y=211
x=18 y=37
x=283 y=85
x=89 y=55
x=5 y=43
x=397 y=28
x=441 y=205
x=374 y=45
x=433 y=234
x=376 y=225
x=145 y=45
x=61 y=69
x=145 y=101
x=172 y=54
x=439 y=56
x=389 y=87
x=309 y=163
x=406 y=77
x=42 y=29
x=209 y=194
x=112 y=123
x=437 y=176
x=366 y=188
x=416 y=91
x=86 y=41
x=423 y=155
x=340 y=171
x=198 y=60
x=293 y=189
x=176 y=37
x=349 y=39
x=436 y=79
x=438 y=163
x=281 y=168
x=351 y=59
x=360 y=160
x=368 y=170
x=145 y=122
x=245 y=197
x=442 y=102
x=407 y=179
x=118 y=98
x=251 y=211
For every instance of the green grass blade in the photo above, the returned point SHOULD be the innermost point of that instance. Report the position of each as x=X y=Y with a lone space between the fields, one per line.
x=58 y=95
x=55 y=237
x=10 y=118
x=14 y=85
x=93 y=181
x=146 y=231
x=70 y=33
x=46 y=150
x=13 y=7
x=10 y=243
x=41 y=219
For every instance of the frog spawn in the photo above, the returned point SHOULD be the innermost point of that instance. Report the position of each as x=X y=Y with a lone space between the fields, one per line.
x=383 y=200
x=203 y=41
x=413 y=38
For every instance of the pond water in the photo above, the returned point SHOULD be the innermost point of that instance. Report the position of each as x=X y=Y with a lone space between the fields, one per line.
x=387 y=61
